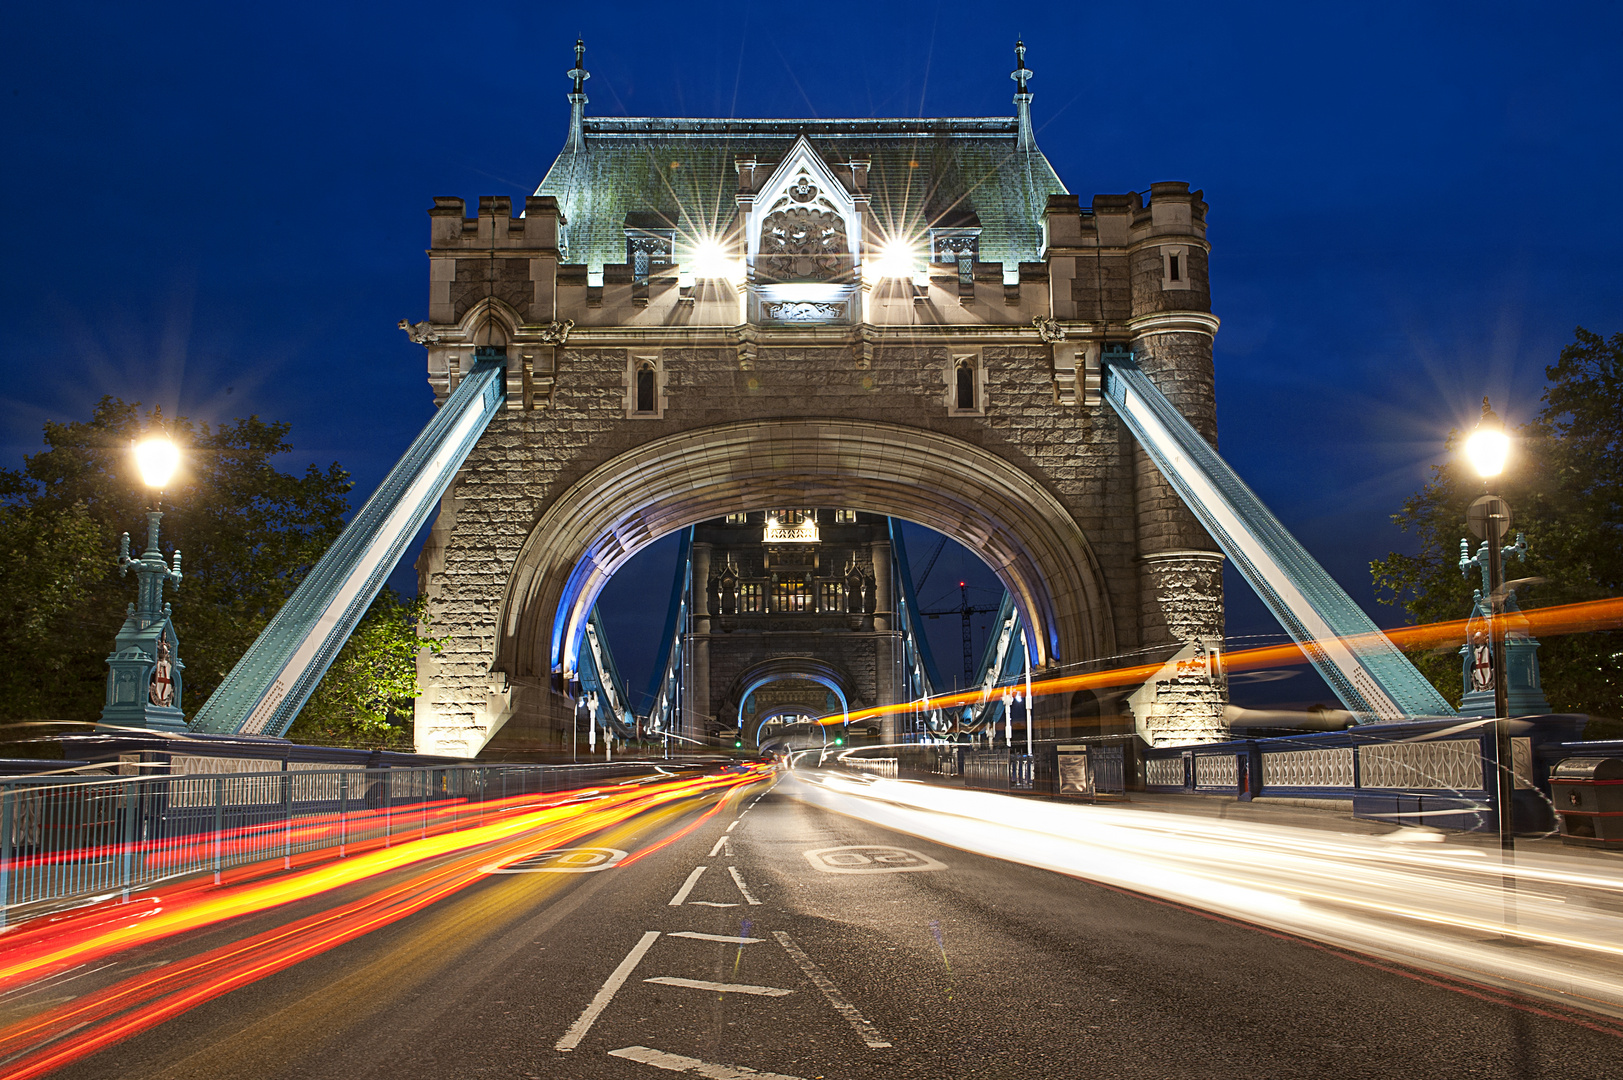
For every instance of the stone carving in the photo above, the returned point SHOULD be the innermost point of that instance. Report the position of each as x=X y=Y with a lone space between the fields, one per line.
x=557 y=333
x=1049 y=329
x=802 y=243
x=804 y=311
x=421 y=333
x=729 y=591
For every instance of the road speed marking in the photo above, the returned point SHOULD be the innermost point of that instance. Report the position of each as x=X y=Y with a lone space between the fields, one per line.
x=870 y=859
x=569 y=860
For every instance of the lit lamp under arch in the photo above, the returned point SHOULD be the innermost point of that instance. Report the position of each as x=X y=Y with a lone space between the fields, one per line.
x=144 y=671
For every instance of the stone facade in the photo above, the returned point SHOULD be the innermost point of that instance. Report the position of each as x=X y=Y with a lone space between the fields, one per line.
x=776 y=607
x=855 y=408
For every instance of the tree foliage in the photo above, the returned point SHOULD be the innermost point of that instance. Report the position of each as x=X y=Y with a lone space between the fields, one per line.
x=366 y=697
x=1564 y=484
x=248 y=533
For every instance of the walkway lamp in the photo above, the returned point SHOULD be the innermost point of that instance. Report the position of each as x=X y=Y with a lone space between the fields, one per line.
x=1487 y=448
x=144 y=682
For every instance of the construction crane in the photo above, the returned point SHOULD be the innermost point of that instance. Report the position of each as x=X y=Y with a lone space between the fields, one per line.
x=966 y=610
x=929 y=564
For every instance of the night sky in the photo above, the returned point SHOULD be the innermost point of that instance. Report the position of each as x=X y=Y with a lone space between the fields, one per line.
x=221 y=208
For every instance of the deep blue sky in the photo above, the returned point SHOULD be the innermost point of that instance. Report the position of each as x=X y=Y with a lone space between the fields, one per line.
x=221 y=207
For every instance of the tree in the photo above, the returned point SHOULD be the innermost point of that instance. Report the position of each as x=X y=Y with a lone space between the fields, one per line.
x=1565 y=487
x=366 y=696
x=248 y=533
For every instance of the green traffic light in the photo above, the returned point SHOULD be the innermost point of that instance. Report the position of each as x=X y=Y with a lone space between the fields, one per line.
x=738 y=745
x=839 y=741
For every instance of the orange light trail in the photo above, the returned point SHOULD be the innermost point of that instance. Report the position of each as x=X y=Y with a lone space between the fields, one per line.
x=1543 y=622
x=74 y=1029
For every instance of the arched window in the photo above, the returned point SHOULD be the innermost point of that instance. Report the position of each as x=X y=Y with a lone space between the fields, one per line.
x=646 y=388
x=964 y=395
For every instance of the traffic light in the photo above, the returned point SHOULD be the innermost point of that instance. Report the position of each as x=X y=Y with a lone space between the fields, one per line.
x=839 y=740
x=738 y=745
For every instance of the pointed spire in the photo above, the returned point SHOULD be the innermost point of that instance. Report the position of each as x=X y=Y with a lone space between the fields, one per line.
x=1022 y=96
x=577 y=98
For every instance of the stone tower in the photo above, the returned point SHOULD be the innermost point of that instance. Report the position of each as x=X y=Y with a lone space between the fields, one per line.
x=895 y=317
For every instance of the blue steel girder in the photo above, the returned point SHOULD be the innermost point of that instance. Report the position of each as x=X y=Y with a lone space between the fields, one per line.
x=1373 y=679
x=275 y=677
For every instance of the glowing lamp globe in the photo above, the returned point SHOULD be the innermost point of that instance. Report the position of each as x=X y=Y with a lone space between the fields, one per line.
x=157 y=459
x=1487 y=448
x=711 y=260
x=896 y=260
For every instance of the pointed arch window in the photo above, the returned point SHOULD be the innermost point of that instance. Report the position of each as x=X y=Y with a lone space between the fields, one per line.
x=964 y=384
x=647 y=387
x=644 y=388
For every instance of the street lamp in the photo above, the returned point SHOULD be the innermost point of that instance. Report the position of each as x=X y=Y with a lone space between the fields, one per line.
x=1487 y=448
x=144 y=681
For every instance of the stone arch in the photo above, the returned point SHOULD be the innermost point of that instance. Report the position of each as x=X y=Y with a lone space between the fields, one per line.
x=490 y=313
x=779 y=668
x=955 y=487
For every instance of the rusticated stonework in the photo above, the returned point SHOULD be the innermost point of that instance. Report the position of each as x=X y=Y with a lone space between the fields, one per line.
x=835 y=398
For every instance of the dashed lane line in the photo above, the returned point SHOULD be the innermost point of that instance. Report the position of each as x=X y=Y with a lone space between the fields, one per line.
x=695 y=935
x=687 y=886
x=742 y=888
x=865 y=1030
x=600 y=1001
x=723 y=846
x=734 y=825
x=720 y=988
x=659 y=1059
x=710 y=903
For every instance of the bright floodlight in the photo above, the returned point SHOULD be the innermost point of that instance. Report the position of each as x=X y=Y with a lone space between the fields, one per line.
x=896 y=260
x=1487 y=448
x=157 y=459
x=712 y=260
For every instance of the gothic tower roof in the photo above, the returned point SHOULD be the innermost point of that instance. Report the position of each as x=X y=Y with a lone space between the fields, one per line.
x=681 y=174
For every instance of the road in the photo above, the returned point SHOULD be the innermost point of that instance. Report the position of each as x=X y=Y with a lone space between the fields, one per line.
x=785 y=938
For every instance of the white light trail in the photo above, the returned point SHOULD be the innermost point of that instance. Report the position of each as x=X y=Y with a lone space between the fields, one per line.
x=1436 y=905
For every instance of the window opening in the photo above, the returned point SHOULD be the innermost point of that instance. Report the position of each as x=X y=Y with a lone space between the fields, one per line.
x=792 y=594
x=966 y=385
x=1173 y=269
x=645 y=388
x=750 y=596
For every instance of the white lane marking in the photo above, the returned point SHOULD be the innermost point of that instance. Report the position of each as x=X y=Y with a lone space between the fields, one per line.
x=724 y=988
x=865 y=1031
x=600 y=1001
x=659 y=1059
x=695 y=935
x=723 y=847
x=734 y=825
x=582 y=860
x=742 y=888
x=870 y=859
x=687 y=886
x=710 y=903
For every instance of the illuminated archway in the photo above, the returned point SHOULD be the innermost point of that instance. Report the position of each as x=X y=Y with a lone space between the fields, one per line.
x=947 y=484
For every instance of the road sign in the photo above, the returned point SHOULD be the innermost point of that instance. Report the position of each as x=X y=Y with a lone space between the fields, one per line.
x=1477 y=515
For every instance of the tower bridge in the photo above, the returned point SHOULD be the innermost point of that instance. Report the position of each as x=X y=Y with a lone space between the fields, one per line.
x=696 y=319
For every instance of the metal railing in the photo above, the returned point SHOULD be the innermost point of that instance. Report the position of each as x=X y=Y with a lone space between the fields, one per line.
x=66 y=838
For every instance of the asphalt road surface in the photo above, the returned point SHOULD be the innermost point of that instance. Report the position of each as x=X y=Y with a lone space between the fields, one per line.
x=780 y=939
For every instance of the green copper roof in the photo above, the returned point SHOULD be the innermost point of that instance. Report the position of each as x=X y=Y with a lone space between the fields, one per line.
x=923 y=173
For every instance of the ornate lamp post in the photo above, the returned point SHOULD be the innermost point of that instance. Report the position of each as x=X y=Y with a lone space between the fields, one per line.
x=144 y=681
x=1487 y=448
